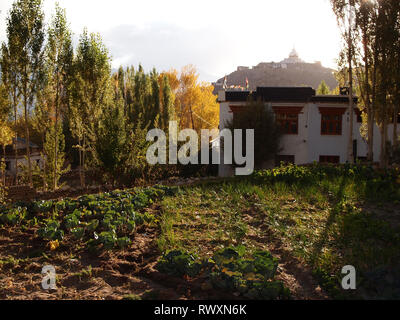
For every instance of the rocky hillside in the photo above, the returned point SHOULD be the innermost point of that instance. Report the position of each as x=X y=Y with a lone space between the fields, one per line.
x=280 y=75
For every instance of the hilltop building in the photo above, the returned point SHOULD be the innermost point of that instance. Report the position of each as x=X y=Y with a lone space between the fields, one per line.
x=290 y=72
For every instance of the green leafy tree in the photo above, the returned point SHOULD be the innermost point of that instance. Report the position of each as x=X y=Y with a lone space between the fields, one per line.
x=25 y=33
x=11 y=80
x=111 y=141
x=323 y=88
x=267 y=134
x=59 y=54
x=55 y=136
x=168 y=111
x=90 y=90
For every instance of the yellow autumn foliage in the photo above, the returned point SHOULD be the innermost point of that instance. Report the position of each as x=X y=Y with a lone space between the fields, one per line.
x=195 y=104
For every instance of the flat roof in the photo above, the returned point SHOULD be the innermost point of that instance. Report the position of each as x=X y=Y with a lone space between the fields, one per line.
x=284 y=94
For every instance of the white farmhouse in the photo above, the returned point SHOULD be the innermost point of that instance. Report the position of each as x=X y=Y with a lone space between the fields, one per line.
x=10 y=160
x=315 y=127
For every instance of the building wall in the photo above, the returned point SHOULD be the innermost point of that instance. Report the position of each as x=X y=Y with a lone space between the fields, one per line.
x=327 y=145
x=22 y=161
x=296 y=144
x=308 y=145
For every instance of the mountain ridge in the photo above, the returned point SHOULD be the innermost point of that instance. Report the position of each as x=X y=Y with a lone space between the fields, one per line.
x=291 y=72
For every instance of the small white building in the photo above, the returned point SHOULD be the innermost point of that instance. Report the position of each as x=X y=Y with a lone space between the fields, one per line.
x=10 y=159
x=315 y=127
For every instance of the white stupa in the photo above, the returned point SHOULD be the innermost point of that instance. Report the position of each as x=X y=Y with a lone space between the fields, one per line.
x=293 y=58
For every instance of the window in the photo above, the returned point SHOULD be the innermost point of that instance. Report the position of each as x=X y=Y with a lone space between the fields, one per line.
x=331 y=120
x=8 y=165
x=329 y=159
x=288 y=119
x=285 y=159
x=331 y=124
x=288 y=122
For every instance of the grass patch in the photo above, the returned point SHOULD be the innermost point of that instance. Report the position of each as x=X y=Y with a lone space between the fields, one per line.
x=328 y=217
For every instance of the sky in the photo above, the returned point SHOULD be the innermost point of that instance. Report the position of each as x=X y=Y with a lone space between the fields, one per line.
x=216 y=36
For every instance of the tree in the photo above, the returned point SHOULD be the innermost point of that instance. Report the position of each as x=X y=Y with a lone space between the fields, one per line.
x=186 y=96
x=195 y=103
x=372 y=42
x=344 y=11
x=25 y=31
x=5 y=129
x=54 y=136
x=6 y=134
x=10 y=77
x=365 y=66
x=205 y=108
x=267 y=134
x=41 y=123
x=59 y=54
x=323 y=88
x=111 y=141
x=167 y=101
x=90 y=90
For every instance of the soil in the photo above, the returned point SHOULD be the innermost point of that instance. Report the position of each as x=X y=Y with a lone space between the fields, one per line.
x=115 y=275
x=119 y=274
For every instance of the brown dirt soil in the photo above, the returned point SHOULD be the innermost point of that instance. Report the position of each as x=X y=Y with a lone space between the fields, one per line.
x=113 y=275
x=295 y=274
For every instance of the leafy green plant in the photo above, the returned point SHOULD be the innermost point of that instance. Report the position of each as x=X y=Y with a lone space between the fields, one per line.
x=51 y=231
x=78 y=233
x=123 y=242
x=179 y=263
x=229 y=270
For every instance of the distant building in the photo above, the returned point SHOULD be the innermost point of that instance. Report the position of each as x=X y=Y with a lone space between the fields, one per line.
x=293 y=58
x=316 y=128
x=10 y=159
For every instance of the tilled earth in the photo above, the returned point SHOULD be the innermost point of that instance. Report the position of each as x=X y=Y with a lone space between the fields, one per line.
x=113 y=275
x=110 y=275
x=119 y=274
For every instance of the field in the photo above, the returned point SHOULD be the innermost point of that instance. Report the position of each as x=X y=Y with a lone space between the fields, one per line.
x=284 y=233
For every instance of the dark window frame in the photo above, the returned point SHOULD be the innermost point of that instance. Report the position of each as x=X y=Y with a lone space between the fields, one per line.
x=288 y=119
x=332 y=121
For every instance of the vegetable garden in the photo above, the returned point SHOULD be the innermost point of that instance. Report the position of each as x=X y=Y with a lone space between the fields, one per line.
x=279 y=234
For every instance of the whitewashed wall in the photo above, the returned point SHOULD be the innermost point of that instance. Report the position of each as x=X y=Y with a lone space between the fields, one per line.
x=308 y=145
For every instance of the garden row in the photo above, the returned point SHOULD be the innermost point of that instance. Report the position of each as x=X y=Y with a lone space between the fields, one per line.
x=104 y=220
x=230 y=269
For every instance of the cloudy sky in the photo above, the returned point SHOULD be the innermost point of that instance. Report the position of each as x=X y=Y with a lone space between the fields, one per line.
x=214 y=35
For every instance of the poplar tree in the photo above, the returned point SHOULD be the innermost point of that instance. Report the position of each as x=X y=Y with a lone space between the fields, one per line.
x=25 y=35
x=59 y=57
x=11 y=81
x=90 y=91
x=167 y=103
x=323 y=88
x=345 y=14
